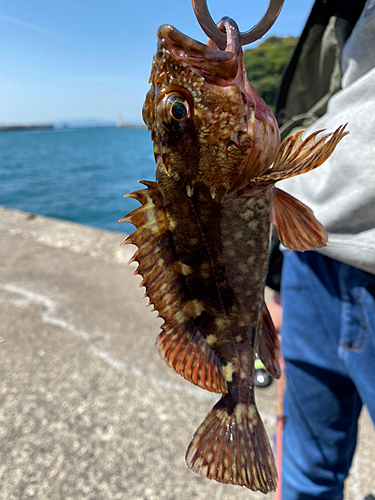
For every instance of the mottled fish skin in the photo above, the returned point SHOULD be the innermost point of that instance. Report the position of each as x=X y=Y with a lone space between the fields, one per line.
x=203 y=235
x=230 y=132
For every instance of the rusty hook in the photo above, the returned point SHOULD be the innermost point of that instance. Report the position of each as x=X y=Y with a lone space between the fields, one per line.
x=212 y=31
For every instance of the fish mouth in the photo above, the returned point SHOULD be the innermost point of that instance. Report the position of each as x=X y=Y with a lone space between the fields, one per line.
x=206 y=58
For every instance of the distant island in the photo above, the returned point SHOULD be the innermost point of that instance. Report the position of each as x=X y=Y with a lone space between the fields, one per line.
x=9 y=128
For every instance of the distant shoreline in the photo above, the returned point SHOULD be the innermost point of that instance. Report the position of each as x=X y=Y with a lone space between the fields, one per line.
x=10 y=128
x=17 y=128
x=131 y=126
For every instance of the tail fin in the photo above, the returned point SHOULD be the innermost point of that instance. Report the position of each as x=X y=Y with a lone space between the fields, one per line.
x=231 y=446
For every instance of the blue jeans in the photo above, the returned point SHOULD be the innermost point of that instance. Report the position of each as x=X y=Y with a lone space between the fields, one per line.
x=328 y=342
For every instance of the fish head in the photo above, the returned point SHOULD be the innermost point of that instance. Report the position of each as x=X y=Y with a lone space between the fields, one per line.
x=209 y=126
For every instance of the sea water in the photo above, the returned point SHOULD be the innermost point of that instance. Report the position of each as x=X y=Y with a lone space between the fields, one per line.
x=77 y=174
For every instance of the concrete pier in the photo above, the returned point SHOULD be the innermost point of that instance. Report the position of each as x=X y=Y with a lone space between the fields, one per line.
x=87 y=408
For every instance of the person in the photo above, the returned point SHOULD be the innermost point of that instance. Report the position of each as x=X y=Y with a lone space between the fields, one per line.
x=328 y=295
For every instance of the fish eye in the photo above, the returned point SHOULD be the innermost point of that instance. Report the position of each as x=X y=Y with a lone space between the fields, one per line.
x=174 y=112
x=178 y=110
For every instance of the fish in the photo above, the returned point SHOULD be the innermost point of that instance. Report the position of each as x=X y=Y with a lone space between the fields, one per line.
x=203 y=238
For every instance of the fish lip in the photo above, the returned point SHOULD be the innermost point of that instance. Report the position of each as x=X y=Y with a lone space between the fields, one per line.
x=205 y=57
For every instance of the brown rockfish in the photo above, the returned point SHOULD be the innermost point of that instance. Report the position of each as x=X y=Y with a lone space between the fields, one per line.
x=203 y=237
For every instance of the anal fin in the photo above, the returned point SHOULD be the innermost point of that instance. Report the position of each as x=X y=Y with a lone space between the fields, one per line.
x=268 y=344
x=231 y=446
x=296 y=225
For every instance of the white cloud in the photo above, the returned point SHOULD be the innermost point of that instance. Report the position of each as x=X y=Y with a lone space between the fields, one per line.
x=31 y=26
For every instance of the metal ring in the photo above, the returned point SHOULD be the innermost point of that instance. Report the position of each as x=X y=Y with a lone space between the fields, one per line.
x=212 y=31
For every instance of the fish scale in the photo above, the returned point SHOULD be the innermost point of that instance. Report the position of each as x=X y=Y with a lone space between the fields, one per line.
x=203 y=236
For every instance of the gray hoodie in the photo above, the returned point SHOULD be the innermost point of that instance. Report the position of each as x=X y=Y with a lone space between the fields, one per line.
x=342 y=191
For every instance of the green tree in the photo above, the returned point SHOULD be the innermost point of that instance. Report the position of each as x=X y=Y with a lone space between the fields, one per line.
x=265 y=64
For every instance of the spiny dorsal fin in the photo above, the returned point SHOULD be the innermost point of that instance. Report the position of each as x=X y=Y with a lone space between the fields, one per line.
x=296 y=225
x=180 y=343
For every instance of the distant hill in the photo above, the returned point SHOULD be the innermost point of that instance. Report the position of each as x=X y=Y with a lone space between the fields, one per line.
x=265 y=63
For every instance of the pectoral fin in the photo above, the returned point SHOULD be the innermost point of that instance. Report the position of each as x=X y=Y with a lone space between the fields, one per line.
x=180 y=343
x=297 y=157
x=295 y=223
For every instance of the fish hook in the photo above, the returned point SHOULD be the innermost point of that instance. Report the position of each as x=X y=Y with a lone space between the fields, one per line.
x=212 y=31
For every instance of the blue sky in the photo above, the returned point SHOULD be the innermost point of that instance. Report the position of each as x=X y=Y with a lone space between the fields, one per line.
x=82 y=59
